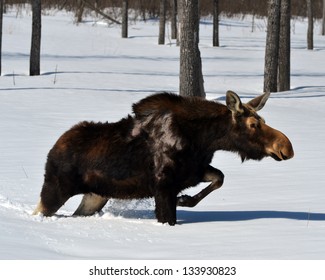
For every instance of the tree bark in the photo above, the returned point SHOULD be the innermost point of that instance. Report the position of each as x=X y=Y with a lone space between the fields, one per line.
x=215 y=23
x=284 y=46
x=162 y=22
x=35 y=52
x=174 y=18
x=79 y=11
x=272 y=47
x=1 y=20
x=323 y=20
x=125 y=8
x=191 y=78
x=179 y=22
x=310 y=32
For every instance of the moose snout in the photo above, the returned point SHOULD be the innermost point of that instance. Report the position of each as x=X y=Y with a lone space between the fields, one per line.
x=282 y=152
x=281 y=148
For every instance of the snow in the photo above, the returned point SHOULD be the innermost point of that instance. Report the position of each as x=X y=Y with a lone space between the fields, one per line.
x=265 y=210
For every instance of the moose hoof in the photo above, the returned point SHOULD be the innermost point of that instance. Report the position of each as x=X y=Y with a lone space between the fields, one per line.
x=167 y=220
x=186 y=200
x=171 y=223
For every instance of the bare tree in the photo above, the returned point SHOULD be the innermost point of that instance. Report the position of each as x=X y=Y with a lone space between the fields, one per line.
x=125 y=8
x=162 y=22
x=1 y=20
x=215 y=23
x=94 y=7
x=310 y=32
x=174 y=18
x=35 y=51
x=79 y=11
x=179 y=22
x=284 y=46
x=323 y=20
x=272 y=47
x=191 y=78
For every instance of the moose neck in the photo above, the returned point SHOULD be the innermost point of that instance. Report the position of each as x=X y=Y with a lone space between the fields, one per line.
x=212 y=132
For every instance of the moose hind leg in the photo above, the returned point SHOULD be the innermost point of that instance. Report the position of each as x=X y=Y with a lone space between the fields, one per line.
x=40 y=208
x=51 y=200
x=90 y=204
x=213 y=175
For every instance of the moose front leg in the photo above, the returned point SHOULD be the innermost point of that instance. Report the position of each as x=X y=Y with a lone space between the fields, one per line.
x=213 y=175
x=166 y=200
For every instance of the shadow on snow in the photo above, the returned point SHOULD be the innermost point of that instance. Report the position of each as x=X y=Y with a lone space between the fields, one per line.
x=189 y=217
x=186 y=217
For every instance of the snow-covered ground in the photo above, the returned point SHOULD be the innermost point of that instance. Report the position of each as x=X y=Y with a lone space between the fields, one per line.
x=265 y=210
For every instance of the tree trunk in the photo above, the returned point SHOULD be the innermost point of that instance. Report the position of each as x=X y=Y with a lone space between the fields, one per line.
x=179 y=22
x=191 y=78
x=35 y=51
x=284 y=46
x=272 y=47
x=174 y=18
x=323 y=21
x=253 y=22
x=162 y=22
x=310 y=32
x=79 y=11
x=215 y=23
x=125 y=18
x=1 y=20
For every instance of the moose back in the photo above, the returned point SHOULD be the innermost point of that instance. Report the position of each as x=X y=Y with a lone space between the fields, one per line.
x=165 y=147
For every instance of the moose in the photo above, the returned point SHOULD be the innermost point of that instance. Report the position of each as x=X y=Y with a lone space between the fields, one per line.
x=164 y=147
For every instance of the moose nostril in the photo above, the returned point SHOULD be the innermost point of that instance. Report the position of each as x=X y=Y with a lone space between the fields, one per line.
x=284 y=157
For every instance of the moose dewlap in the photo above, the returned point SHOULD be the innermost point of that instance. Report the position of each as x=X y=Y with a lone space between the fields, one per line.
x=165 y=147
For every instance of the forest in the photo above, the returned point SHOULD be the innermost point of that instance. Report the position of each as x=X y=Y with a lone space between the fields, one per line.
x=150 y=8
x=279 y=14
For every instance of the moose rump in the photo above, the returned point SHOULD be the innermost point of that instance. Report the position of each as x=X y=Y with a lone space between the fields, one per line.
x=98 y=159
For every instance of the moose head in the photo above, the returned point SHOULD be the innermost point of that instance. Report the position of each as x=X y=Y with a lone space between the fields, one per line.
x=252 y=137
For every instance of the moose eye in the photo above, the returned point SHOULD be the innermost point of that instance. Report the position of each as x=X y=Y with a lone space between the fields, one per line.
x=253 y=123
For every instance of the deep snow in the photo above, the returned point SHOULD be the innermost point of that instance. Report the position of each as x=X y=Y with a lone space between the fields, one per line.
x=265 y=210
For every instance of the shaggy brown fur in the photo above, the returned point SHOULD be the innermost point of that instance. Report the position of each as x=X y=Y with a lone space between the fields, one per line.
x=165 y=148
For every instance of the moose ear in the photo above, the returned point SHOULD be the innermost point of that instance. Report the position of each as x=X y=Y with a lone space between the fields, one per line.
x=258 y=102
x=234 y=103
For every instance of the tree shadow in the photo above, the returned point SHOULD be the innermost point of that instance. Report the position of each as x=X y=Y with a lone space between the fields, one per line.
x=190 y=217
